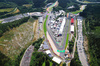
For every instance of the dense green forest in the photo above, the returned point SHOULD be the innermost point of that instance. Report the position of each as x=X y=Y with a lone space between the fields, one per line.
x=38 y=58
x=7 y=26
x=71 y=45
x=64 y=4
x=37 y=5
x=92 y=24
x=75 y=61
x=91 y=0
x=37 y=44
x=94 y=0
x=5 y=61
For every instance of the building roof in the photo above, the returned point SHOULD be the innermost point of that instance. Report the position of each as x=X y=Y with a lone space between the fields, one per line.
x=72 y=20
x=48 y=52
x=72 y=27
x=62 y=25
x=40 y=19
x=57 y=60
x=50 y=55
x=45 y=46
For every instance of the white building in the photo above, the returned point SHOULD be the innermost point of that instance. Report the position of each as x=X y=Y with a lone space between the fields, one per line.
x=57 y=60
x=47 y=52
x=62 y=25
x=40 y=19
x=71 y=7
x=72 y=29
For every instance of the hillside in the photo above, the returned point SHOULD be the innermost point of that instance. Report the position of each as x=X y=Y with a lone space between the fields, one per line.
x=90 y=0
x=92 y=24
x=36 y=5
x=13 y=41
x=23 y=6
x=64 y=4
x=94 y=0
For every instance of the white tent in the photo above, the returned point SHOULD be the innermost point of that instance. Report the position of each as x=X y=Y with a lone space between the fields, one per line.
x=57 y=60
x=62 y=25
x=47 y=51
x=72 y=28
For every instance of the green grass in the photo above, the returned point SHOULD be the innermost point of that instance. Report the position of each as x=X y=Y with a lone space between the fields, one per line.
x=75 y=30
x=51 y=63
x=51 y=8
x=7 y=10
x=76 y=12
x=43 y=64
x=67 y=36
x=0 y=21
x=44 y=26
x=67 y=41
x=31 y=20
x=87 y=2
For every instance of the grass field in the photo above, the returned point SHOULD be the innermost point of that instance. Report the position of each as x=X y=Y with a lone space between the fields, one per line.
x=76 y=12
x=0 y=21
x=44 y=26
x=67 y=41
x=27 y=5
x=87 y=2
x=7 y=10
x=15 y=11
x=15 y=40
x=45 y=63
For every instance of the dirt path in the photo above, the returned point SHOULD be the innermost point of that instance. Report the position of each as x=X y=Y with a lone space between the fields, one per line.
x=35 y=30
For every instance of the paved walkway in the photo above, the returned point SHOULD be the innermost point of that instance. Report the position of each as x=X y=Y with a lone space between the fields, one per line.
x=27 y=56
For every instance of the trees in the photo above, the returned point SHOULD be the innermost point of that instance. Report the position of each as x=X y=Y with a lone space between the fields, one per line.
x=94 y=0
x=92 y=24
x=37 y=44
x=64 y=64
x=71 y=44
x=38 y=58
x=75 y=61
x=6 y=26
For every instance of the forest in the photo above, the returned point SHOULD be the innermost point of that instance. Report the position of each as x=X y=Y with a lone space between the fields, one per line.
x=75 y=61
x=64 y=4
x=39 y=58
x=94 y=0
x=92 y=24
x=37 y=5
x=5 y=61
x=37 y=44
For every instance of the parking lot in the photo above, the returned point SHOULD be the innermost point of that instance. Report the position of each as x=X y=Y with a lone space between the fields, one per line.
x=56 y=28
x=80 y=47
